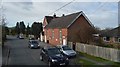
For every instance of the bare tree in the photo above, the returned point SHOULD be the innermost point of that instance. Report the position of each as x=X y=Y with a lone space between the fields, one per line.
x=2 y=25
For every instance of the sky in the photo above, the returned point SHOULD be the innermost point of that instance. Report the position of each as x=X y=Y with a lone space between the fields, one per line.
x=101 y=14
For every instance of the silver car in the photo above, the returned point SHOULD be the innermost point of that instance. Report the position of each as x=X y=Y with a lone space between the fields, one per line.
x=67 y=51
x=33 y=44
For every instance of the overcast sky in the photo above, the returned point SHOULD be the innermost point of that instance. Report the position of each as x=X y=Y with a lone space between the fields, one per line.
x=101 y=14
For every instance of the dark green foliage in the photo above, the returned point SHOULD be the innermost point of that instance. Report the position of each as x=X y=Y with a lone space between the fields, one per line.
x=7 y=30
x=36 y=28
x=22 y=27
x=17 y=28
x=28 y=30
x=13 y=31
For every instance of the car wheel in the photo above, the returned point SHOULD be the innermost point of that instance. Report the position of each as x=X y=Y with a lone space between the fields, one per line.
x=41 y=58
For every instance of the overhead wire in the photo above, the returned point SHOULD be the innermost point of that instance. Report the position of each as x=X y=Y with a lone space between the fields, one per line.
x=61 y=7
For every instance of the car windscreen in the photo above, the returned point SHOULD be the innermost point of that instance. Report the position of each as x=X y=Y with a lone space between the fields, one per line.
x=53 y=51
x=66 y=48
x=32 y=38
x=34 y=42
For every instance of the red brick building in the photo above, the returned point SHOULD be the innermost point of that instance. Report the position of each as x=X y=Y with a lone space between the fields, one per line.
x=75 y=27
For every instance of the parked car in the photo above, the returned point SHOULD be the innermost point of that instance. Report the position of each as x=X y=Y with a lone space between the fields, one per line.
x=53 y=56
x=67 y=51
x=31 y=38
x=21 y=37
x=33 y=44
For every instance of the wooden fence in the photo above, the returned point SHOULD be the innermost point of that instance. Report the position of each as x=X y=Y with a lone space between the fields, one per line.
x=103 y=52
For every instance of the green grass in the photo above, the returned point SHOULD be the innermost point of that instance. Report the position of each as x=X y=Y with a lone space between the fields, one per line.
x=92 y=57
x=85 y=62
x=96 y=59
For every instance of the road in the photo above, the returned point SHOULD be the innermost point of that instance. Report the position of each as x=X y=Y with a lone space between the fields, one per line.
x=20 y=54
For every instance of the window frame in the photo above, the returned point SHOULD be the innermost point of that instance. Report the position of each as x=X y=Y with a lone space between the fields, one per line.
x=53 y=35
x=60 y=34
x=118 y=40
x=105 y=39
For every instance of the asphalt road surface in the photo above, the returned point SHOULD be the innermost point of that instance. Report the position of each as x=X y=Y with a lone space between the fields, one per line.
x=20 y=54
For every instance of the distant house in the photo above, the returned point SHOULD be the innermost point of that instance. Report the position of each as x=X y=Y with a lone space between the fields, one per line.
x=111 y=36
x=74 y=27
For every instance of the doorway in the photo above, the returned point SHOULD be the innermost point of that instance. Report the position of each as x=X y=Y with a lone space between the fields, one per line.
x=74 y=46
x=64 y=42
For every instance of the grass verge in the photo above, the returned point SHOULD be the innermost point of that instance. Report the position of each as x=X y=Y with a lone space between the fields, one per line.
x=85 y=63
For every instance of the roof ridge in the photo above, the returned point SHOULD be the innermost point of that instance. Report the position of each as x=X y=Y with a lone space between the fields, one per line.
x=73 y=13
x=67 y=15
x=64 y=21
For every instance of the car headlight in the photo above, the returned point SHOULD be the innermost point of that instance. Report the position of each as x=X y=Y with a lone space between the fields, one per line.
x=53 y=60
x=65 y=53
x=32 y=45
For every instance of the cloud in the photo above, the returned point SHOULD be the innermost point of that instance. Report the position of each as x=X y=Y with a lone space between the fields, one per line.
x=61 y=0
x=104 y=19
x=101 y=14
x=24 y=5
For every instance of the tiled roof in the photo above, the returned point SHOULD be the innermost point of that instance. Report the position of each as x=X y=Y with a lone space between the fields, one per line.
x=48 y=18
x=63 y=22
x=112 y=33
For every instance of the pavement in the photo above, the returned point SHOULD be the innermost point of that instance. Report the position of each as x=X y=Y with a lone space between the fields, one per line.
x=5 y=53
x=16 y=52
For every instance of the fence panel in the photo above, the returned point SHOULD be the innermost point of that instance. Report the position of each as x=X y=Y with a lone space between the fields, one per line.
x=106 y=53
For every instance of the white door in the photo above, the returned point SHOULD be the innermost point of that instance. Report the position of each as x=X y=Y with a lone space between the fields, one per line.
x=64 y=42
x=41 y=37
x=45 y=39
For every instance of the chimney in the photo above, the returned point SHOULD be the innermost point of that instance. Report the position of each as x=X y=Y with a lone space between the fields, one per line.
x=54 y=16
x=63 y=15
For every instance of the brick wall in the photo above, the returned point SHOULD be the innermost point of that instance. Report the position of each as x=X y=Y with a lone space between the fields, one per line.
x=56 y=39
x=80 y=31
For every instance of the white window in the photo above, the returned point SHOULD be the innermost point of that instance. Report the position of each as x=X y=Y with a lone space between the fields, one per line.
x=52 y=33
x=106 y=38
x=60 y=34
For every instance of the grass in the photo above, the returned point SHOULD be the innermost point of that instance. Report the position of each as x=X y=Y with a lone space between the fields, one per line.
x=92 y=57
x=85 y=63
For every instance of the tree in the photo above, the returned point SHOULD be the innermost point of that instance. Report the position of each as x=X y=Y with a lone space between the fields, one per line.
x=97 y=29
x=17 y=28
x=36 y=29
x=22 y=27
x=3 y=30
x=13 y=31
x=6 y=30
x=27 y=30
x=106 y=30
